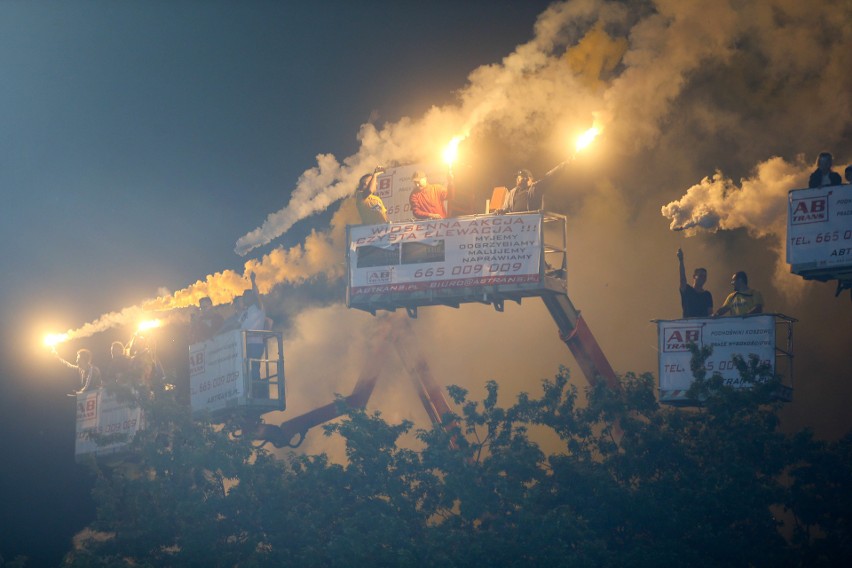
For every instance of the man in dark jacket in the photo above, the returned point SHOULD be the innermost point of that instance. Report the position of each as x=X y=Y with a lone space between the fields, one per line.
x=695 y=300
x=527 y=195
x=823 y=175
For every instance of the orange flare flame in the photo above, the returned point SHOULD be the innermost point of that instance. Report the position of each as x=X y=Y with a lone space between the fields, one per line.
x=149 y=324
x=452 y=150
x=586 y=138
x=54 y=339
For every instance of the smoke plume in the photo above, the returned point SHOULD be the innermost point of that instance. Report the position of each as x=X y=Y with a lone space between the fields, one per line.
x=758 y=204
x=321 y=253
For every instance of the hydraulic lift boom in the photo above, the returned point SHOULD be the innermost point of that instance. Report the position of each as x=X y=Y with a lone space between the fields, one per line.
x=393 y=331
x=576 y=334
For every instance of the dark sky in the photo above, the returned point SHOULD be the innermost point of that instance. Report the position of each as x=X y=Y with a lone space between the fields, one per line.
x=140 y=140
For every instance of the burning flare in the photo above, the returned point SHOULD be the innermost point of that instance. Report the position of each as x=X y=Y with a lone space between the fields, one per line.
x=149 y=324
x=586 y=138
x=54 y=339
x=451 y=152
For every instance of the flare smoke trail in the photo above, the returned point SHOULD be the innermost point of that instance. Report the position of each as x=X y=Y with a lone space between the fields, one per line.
x=758 y=204
x=321 y=253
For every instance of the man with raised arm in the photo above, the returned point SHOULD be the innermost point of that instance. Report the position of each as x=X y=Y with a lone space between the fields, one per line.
x=370 y=206
x=695 y=301
x=205 y=323
x=90 y=376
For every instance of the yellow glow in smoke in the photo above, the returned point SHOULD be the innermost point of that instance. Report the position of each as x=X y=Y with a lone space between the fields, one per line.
x=149 y=324
x=586 y=138
x=54 y=339
x=451 y=152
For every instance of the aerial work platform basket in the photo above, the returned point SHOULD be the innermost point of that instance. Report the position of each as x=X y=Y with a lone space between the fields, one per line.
x=769 y=337
x=106 y=424
x=237 y=370
x=473 y=259
x=485 y=259
x=819 y=234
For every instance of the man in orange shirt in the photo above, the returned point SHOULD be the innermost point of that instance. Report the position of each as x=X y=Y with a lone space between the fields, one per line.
x=427 y=199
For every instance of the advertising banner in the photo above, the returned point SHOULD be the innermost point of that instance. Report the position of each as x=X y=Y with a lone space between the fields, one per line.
x=819 y=228
x=395 y=185
x=216 y=372
x=728 y=336
x=444 y=254
x=99 y=413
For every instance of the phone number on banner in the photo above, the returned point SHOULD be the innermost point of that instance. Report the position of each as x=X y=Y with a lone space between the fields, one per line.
x=442 y=283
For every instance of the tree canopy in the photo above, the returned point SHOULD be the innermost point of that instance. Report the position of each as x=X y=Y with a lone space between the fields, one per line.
x=630 y=483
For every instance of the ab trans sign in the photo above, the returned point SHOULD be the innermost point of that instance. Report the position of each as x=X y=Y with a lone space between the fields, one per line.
x=745 y=336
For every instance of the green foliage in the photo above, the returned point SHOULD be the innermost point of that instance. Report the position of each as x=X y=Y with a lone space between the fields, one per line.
x=622 y=482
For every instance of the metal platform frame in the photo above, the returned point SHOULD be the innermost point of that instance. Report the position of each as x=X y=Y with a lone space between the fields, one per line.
x=783 y=359
x=552 y=278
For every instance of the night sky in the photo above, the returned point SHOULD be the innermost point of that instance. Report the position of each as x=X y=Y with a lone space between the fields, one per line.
x=141 y=140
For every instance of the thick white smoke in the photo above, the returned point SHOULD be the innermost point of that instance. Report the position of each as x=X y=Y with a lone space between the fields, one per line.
x=758 y=204
x=126 y=316
x=321 y=253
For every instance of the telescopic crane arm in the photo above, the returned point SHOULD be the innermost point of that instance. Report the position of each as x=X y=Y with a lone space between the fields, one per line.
x=394 y=333
x=292 y=432
x=576 y=334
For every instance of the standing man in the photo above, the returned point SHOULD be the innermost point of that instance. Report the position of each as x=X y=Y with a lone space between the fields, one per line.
x=823 y=175
x=370 y=206
x=743 y=300
x=427 y=199
x=528 y=194
x=205 y=323
x=118 y=368
x=695 y=300
x=90 y=376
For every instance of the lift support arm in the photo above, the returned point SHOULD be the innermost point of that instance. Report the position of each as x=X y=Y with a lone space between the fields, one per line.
x=576 y=334
x=392 y=332
x=292 y=432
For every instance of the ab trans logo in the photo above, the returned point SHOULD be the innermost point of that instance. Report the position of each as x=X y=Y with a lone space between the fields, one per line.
x=384 y=186
x=379 y=277
x=196 y=363
x=87 y=408
x=677 y=339
x=809 y=210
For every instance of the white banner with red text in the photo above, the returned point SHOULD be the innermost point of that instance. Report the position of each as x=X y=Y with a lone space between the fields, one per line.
x=819 y=228
x=729 y=336
x=100 y=414
x=443 y=254
x=216 y=372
